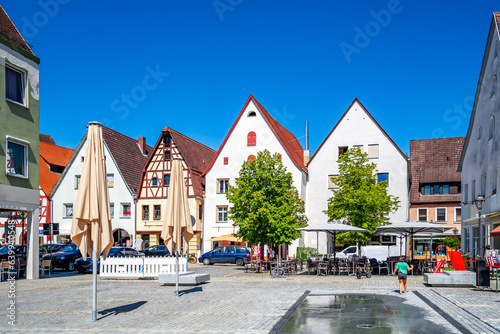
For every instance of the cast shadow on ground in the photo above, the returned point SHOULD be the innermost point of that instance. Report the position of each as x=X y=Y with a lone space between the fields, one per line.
x=121 y=309
x=185 y=292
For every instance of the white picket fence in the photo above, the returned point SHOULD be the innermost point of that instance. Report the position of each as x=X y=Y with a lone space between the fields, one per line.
x=137 y=267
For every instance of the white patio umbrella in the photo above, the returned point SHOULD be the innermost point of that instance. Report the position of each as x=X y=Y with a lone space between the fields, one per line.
x=177 y=229
x=91 y=225
x=410 y=228
x=332 y=228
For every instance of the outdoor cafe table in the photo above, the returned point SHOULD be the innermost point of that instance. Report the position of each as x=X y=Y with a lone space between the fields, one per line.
x=496 y=274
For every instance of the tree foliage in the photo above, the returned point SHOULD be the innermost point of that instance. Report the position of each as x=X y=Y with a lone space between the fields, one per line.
x=265 y=205
x=360 y=200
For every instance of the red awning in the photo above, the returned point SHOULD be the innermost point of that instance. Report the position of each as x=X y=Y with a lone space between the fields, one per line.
x=495 y=232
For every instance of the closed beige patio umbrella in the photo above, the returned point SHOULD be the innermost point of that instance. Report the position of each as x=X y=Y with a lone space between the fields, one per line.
x=177 y=229
x=91 y=225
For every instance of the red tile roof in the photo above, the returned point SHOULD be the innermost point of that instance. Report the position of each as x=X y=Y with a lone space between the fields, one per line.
x=287 y=139
x=51 y=154
x=9 y=32
x=434 y=161
x=127 y=155
x=496 y=16
x=46 y=139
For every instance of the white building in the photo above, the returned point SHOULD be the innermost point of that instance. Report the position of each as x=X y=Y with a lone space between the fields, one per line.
x=481 y=154
x=356 y=128
x=254 y=130
x=125 y=158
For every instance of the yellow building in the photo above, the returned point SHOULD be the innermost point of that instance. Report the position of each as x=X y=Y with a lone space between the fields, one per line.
x=155 y=180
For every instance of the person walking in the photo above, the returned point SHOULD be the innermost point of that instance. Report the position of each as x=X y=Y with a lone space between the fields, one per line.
x=402 y=268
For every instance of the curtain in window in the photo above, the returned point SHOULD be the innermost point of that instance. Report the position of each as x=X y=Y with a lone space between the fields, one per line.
x=15 y=159
x=13 y=85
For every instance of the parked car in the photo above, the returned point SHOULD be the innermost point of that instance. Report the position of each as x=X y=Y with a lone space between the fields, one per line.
x=53 y=247
x=20 y=252
x=86 y=265
x=158 y=250
x=64 y=259
x=226 y=254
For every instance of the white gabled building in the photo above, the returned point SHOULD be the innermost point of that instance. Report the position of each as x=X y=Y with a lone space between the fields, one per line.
x=254 y=130
x=356 y=128
x=125 y=158
x=480 y=158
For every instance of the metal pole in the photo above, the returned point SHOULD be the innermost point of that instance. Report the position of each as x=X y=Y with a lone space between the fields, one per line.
x=177 y=274
x=94 y=284
x=481 y=238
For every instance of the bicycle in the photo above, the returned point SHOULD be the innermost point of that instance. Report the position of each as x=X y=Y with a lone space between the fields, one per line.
x=192 y=258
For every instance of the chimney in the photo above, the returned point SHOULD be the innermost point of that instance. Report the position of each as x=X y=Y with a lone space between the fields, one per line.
x=142 y=145
x=307 y=154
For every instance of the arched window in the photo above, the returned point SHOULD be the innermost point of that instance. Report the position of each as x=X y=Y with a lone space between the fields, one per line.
x=252 y=114
x=491 y=129
x=493 y=86
x=251 y=139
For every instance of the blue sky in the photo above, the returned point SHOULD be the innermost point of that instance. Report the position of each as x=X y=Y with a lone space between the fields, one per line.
x=139 y=66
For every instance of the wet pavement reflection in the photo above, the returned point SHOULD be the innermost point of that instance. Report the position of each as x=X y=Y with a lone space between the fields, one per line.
x=359 y=313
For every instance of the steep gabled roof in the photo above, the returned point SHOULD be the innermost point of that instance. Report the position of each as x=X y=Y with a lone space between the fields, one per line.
x=9 y=32
x=128 y=156
x=46 y=139
x=371 y=117
x=494 y=29
x=434 y=161
x=51 y=154
x=291 y=145
x=196 y=155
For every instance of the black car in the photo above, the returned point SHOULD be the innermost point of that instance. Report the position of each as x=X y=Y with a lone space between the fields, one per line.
x=20 y=252
x=52 y=247
x=83 y=265
x=158 y=250
x=65 y=259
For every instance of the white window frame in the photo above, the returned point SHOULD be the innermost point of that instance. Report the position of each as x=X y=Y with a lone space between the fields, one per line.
x=445 y=215
x=426 y=214
x=455 y=212
x=371 y=155
x=218 y=211
x=122 y=206
x=78 y=178
x=24 y=75
x=331 y=184
x=65 y=211
x=23 y=143
x=112 y=175
x=361 y=147
x=219 y=186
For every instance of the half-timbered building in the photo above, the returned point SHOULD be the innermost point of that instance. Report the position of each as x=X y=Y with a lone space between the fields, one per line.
x=155 y=181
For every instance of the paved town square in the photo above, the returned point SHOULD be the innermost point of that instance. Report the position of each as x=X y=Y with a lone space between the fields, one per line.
x=232 y=301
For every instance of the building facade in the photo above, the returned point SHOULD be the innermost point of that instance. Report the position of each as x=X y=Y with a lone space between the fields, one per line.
x=19 y=128
x=125 y=158
x=480 y=158
x=254 y=130
x=53 y=161
x=357 y=128
x=155 y=181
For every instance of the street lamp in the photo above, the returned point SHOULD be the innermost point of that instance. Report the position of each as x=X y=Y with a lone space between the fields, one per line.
x=479 y=205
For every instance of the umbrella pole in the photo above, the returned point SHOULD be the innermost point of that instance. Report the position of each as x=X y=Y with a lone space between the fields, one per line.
x=334 y=243
x=94 y=284
x=317 y=242
x=177 y=274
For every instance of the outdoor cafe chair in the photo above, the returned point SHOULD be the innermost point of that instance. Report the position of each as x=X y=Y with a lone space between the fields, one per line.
x=343 y=267
x=45 y=266
x=4 y=269
x=382 y=265
x=323 y=268
x=311 y=266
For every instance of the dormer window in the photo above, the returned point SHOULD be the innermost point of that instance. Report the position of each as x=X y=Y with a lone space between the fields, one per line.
x=252 y=114
x=251 y=139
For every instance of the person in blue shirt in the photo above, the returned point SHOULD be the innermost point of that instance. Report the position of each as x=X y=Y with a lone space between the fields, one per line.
x=402 y=268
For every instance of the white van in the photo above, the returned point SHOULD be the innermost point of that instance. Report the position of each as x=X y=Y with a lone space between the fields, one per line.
x=381 y=253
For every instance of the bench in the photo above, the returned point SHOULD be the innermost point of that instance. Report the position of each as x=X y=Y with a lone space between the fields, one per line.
x=185 y=278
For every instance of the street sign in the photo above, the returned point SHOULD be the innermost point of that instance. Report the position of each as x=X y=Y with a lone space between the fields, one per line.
x=46 y=229
x=55 y=228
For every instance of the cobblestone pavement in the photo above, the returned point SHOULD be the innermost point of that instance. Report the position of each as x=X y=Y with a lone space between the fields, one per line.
x=233 y=301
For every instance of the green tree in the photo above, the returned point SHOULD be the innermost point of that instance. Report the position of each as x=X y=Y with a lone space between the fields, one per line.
x=265 y=205
x=360 y=200
x=451 y=243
